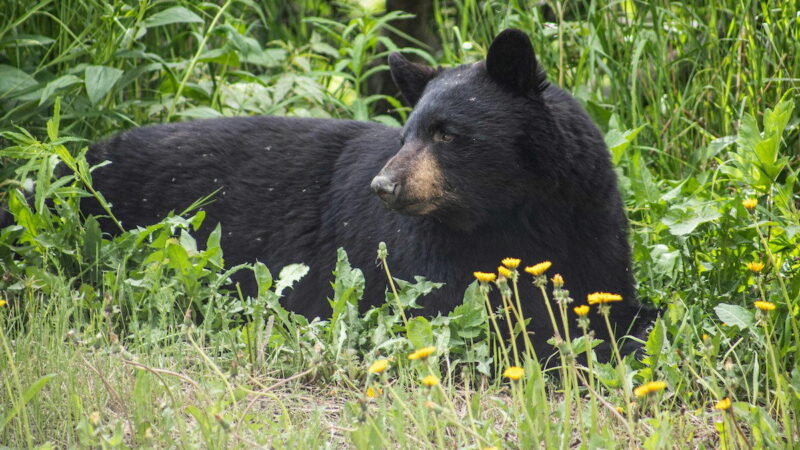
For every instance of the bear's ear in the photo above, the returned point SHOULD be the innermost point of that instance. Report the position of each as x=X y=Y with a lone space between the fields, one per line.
x=410 y=78
x=512 y=63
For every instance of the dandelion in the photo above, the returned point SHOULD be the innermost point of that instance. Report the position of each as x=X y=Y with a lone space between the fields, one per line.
x=422 y=353
x=705 y=337
x=511 y=263
x=378 y=366
x=558 y=280
x=504 y=272
x=514 y=373
x=649 y=388
x=723 y=404
x=602 y=298
x=755 y=266
x=750 y=203
x=484 y=277
x=538 y=269
x=764 y=306
x=373 y=393
x=582 y=310
x=430 y=380
x=3 y=303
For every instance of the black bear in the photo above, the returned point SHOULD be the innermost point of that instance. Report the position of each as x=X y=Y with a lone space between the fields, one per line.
x=493 y=162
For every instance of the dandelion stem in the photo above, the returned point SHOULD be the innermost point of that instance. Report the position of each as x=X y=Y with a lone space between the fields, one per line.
x=493 y=320
x=604 y=311
x=529 y=350
x=506 y=307
x=385 y=264
x=789 y=304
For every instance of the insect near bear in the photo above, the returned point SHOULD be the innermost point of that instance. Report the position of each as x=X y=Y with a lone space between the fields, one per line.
x=493 y=162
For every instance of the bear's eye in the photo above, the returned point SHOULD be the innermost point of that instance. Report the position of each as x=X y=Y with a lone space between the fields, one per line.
x=442 y=136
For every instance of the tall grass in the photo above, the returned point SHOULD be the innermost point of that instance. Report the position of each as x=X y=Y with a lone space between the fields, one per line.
x=136 y=341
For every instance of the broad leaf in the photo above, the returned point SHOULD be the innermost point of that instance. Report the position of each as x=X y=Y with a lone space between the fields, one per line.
x=734 y=315
x=176 y=14
x=289 y=275
x=420 y=332
x=99 y=80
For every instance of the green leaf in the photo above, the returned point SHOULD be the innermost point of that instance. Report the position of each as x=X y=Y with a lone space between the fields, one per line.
x=263 y=278
x=176 y=14
x=27 y=396
x=420 y=332
x=14 y=81
x=289 y=275
x=666 y=261
x=56 y=85
x=749 y=134
x=775 y=120
x=683 y=219
x=92 y=240
x=410 y=292
x=348 y=285
x=655 y=344
x=178 y=257
x=99 y=80
x=200 y=112
x=734 y=315
x=222 y=56
x=618 y=141
x=55 y=122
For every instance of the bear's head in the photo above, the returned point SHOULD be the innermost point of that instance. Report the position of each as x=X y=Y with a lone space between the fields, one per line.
x=479 y=140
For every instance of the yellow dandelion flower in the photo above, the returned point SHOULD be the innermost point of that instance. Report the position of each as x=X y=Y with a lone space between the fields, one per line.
x=649 y=388
x=511 y=263
x=764 y=306
x=378 y=366
x=373 y=393
x=514 y=373
x=603 y=297
x=705 y=337
x=750 y=203
x=755 y=266
x=504 y=272
x=430 y=380
x=620 y=410
x=538 y=269
x=3 y=303
x=558 y=280
x=422 y=353
x=582 y=310
x=723 y=404
x=485 y=277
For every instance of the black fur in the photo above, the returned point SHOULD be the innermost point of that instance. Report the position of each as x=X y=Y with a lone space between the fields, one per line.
x=525 y=174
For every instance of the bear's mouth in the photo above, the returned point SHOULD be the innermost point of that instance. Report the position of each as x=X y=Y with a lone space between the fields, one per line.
x=413 y=208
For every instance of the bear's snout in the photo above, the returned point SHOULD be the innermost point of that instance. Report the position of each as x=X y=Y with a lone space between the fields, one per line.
x=385 y=188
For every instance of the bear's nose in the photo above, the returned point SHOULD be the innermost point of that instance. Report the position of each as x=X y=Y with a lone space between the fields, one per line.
x=385 y=188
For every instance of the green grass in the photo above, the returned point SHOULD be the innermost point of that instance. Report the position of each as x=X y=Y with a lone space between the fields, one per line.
x=101 y=342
